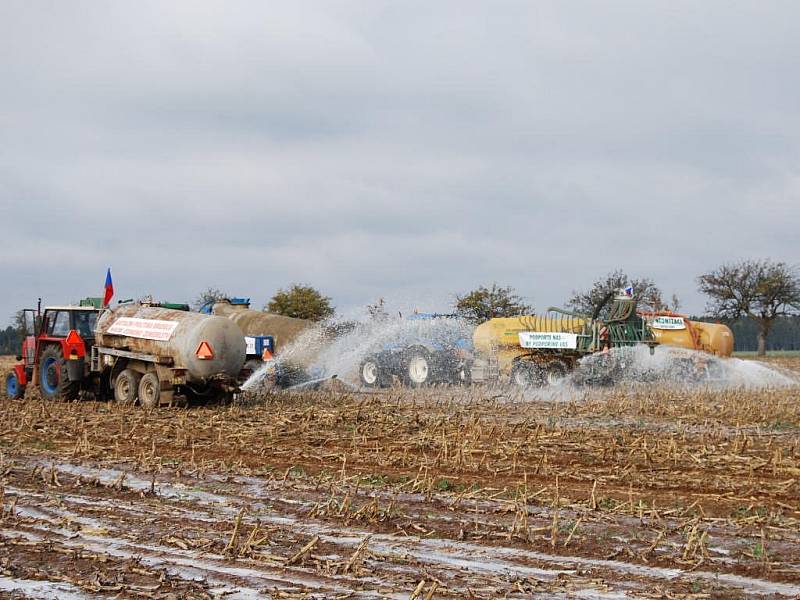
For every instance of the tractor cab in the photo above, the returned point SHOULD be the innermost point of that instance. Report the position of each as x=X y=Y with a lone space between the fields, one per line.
x=55 y=343
x=58 y=321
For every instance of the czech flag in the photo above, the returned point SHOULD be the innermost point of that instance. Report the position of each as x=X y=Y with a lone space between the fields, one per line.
x=628 y=291
x=109 y=288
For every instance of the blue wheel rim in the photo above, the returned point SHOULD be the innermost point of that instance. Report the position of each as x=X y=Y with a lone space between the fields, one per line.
x=48 y=364
x=12 y=385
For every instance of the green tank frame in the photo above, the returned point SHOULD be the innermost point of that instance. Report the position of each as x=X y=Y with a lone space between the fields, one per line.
x=624 y=326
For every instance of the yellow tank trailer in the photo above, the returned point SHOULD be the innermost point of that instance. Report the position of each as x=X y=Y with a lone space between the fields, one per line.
x=499 y=341
x=540 y=350
x=501 y=348
x=671 y=329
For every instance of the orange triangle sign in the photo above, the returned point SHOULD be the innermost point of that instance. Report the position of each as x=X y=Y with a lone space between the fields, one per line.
x=204 y=351
x=73 y=337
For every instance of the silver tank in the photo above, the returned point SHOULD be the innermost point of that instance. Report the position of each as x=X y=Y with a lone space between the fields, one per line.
x=186 y=332
x=284 y=330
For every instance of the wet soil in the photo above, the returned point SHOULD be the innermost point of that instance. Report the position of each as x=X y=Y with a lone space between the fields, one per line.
x=446 y=493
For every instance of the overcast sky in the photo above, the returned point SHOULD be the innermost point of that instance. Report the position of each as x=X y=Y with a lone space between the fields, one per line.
x=410 y=150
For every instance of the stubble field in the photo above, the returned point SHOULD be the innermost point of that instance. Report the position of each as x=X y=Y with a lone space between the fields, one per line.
x=447 y=493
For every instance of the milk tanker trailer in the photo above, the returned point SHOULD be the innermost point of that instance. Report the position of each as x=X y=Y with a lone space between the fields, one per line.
x=153 y=355
x=283 y=331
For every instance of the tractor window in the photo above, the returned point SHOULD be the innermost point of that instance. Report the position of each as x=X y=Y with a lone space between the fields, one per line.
x=59 y=324
x=85 y=322
x=31 y=322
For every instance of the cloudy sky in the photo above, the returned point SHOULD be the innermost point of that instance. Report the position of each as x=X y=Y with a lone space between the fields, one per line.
x=409 y=150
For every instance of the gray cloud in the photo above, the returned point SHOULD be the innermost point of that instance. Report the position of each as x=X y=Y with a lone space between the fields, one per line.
x=406 y=150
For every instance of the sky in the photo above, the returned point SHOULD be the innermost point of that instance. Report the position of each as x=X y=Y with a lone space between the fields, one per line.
x=405 y=150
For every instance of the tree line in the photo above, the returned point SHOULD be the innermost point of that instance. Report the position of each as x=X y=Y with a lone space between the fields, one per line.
x=784 y=335
x=10 y=340
x=758 y=299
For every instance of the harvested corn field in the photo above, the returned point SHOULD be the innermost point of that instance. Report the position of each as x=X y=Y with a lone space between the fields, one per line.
x=443 y=493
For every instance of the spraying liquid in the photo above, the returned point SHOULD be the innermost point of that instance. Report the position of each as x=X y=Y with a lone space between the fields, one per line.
x=337 y=350
x=670 y=366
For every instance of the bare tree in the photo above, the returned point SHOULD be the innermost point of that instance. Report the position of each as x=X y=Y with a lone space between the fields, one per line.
x=645 y=290
x=675 y=303
x=760 y=289
x=377 y=311
x=209 y=295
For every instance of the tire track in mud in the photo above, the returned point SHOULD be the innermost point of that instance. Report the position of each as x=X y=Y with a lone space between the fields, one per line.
x=184 y=529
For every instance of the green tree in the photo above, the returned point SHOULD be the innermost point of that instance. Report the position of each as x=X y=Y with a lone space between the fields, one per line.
x=10 y=341
x=301 y=302
x=19 y=322
x=209 y=295
x=485 y=303
x=646 y=292
x=11 y=338
x=760 y=289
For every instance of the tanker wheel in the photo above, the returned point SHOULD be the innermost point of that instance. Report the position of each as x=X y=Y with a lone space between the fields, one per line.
x=14 y=389
x=525 y=373
x=555 y=371
x=149 y=391
x=126 y=387
x=54 y=383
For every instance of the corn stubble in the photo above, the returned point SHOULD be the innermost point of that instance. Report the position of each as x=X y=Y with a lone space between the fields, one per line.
x=692 y=479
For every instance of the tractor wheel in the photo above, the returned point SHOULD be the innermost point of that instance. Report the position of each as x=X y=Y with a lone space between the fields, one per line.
x=525 y=374
x=14 y=389
x=370 y=373
x=149 y=391
x=555 y=371
x=418 y=371
x=126 y=387
x=54 y=383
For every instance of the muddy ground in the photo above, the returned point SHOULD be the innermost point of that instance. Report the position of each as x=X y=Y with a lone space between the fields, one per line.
x=450 y=493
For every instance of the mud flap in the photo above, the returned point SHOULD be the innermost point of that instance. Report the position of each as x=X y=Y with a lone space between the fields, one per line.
x=75 y=368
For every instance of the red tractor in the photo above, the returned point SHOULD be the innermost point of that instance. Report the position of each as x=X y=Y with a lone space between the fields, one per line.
x=54 y=351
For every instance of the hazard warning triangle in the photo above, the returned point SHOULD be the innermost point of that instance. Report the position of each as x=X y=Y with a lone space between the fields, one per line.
x=73 y=338
x=204 y=351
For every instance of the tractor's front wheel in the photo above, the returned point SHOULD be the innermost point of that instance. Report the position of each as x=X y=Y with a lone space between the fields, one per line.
x=370 y=372
x=14 y=389
x=54 y=383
